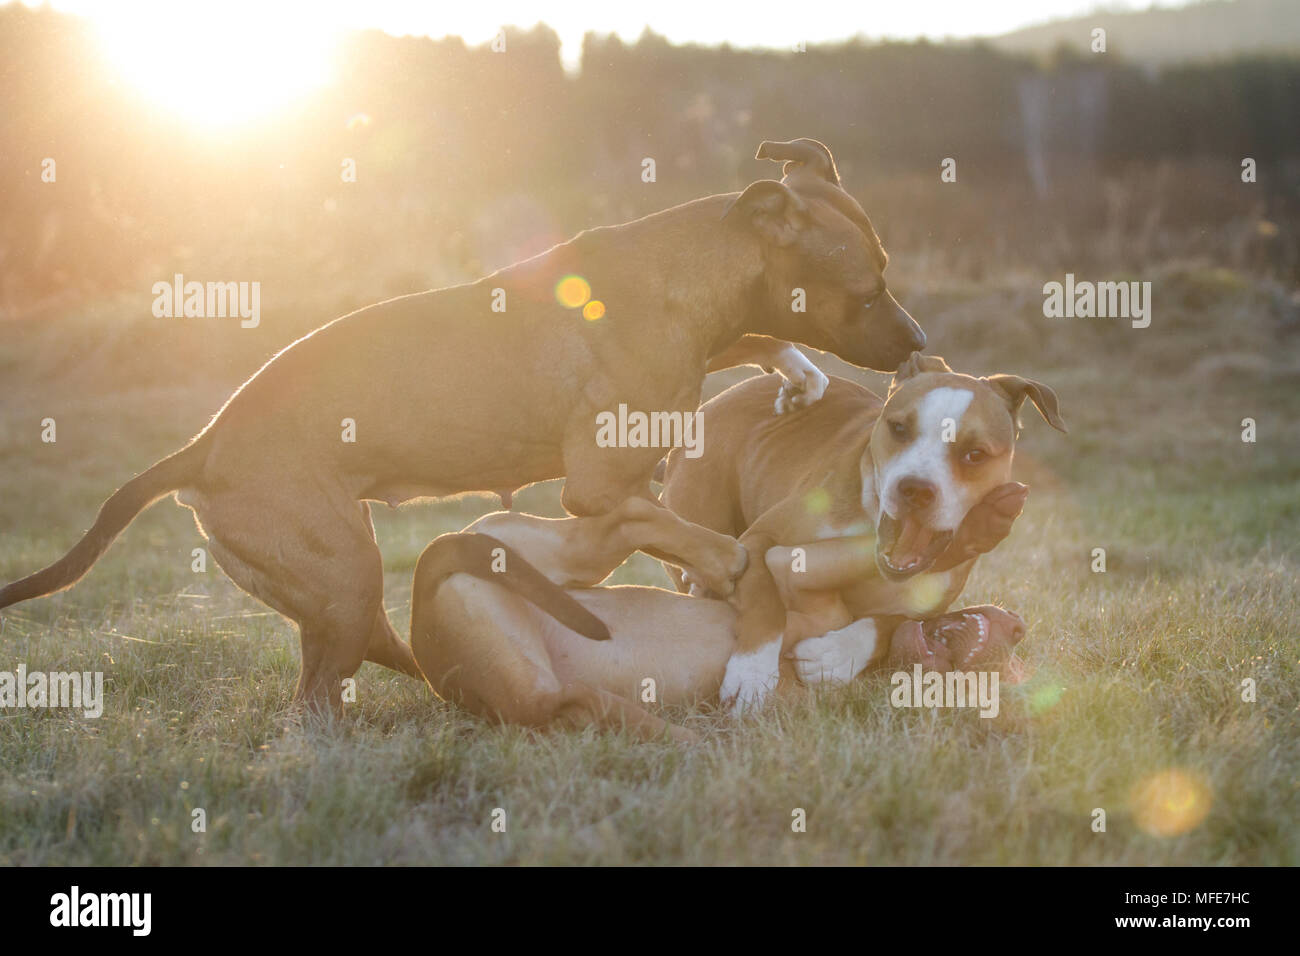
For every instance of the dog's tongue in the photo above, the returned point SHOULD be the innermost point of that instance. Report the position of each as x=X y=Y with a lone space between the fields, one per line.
x=912 y=541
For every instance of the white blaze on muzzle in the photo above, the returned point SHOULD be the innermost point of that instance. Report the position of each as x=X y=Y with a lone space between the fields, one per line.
x=929 y=458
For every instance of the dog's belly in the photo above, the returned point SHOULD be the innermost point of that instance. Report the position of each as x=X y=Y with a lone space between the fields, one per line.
x=917 y=597
x=454 y=475
x=665 y=648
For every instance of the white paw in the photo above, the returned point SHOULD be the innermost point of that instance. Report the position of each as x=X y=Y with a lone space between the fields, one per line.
x=837 y=656
x=803 y=385
x=751 y=677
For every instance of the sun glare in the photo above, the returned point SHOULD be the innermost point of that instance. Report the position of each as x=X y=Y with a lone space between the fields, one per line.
x=216 y=65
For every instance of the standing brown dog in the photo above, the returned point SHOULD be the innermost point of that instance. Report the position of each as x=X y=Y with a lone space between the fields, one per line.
x=496 y=384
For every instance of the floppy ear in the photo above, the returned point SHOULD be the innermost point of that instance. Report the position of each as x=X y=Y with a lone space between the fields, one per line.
x=1015 y=390
x=916 y=364
x=771 y=209
x=806 y=153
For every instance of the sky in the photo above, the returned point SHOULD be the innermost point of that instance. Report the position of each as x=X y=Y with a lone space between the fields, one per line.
x=223 y=62
x=758 y=23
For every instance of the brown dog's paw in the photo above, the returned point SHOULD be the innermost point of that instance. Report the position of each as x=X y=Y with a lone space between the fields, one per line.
x=801 y=388
x=986 y=525
x=720 y=580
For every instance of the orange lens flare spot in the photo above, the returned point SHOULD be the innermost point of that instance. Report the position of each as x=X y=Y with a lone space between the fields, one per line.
x=1170 y=803
x=593 y=310
x=573 y=292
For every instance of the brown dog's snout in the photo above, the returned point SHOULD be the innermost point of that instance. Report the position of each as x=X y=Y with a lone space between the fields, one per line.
x=917 y=493
x=892 y=334
x=914 y=335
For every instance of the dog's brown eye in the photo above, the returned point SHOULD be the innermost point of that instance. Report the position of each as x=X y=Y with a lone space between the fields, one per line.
x=974 y=456
x=898 y=429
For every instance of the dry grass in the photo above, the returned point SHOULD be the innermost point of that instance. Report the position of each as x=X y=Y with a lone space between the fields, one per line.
x=1133 y=671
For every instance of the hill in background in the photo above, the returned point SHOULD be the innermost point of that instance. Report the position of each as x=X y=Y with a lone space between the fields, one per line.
x=1204 y=31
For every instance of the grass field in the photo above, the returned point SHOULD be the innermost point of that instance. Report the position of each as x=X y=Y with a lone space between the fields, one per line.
x=1135 y=674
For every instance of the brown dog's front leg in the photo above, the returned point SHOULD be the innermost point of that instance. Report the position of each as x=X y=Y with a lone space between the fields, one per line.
x=760 y=350
x=753 y=670
x=803 y=382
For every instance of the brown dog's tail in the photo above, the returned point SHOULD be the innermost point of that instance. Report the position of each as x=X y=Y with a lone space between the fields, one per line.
x=470 y=552
x=114 y=515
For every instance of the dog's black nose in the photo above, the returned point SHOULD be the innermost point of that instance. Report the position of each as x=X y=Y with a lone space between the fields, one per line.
x=918 y=338
x=917 y=493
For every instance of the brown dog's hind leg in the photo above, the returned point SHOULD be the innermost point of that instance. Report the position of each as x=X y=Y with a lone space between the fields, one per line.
x=387 y=648
x=717 y=558
x=316 y=563
x=598 y=480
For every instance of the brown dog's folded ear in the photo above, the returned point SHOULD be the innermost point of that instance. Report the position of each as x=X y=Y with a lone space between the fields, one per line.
x=1015 y=390
x=916 y=364
x=771 y=208
x=806 y=153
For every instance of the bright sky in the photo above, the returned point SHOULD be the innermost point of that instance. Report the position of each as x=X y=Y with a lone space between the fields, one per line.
x=763 y=23
x=226 y=61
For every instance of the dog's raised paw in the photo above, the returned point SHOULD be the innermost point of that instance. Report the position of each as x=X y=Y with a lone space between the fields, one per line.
x=801 y=388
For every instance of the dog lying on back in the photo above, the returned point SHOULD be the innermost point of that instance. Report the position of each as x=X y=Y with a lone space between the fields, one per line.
x=497 y=610
x=499 y=613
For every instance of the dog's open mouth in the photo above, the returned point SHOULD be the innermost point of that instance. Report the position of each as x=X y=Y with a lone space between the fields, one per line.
x=905 y=546
x=965 y=635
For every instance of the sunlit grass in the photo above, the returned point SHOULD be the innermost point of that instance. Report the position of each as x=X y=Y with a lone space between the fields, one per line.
x=1133 y=703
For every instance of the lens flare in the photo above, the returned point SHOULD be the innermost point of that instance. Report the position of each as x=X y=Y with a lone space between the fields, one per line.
x=573 y=292
x=1045 y=698
x=1170 y=803
x=924 y=593
x=593 y=310
x=817 y=501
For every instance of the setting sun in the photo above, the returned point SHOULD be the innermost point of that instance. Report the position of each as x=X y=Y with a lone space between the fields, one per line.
x=216 y=65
